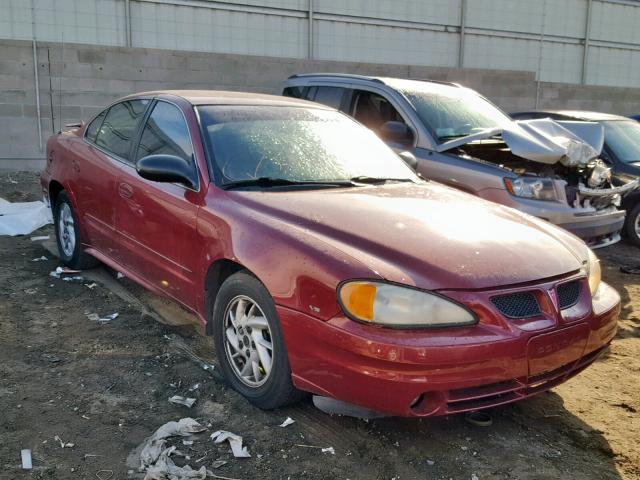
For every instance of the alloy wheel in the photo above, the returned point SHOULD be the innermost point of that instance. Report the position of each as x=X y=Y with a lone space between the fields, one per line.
x=248 y=341
x=66 y=230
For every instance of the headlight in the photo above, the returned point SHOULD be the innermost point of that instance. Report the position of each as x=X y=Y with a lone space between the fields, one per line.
x=402 y=307
x=594 y=272
x=531 y=187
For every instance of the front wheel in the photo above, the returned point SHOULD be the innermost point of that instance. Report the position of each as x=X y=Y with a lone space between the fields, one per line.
x=632 y=224
x=249 y=344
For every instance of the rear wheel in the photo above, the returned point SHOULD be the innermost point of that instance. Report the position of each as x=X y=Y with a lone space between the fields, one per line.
x=249 y=343
x=68 y=236
x=632 y=224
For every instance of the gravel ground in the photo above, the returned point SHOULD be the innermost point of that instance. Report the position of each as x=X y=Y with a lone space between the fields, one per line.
x=105 y=388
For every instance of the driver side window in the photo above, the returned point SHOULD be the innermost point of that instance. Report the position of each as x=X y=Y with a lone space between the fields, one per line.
x=373 y=110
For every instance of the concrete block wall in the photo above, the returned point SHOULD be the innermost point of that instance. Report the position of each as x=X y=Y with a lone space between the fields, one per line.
x=77 y=81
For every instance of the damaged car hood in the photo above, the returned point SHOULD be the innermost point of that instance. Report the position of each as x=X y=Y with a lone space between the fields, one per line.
x=544 y=141
x=426 y=235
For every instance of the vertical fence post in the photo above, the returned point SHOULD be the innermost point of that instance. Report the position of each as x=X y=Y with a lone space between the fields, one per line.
x=127 y=23
x=463 y=22
x=37 y=82
x=587 y=34
x=310 y=47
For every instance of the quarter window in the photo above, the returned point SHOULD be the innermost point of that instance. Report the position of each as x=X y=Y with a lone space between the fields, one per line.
x=119 y=127
x=165 y=133
x=92 y=129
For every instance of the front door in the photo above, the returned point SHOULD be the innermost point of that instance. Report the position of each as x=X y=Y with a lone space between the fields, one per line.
x=156 y=222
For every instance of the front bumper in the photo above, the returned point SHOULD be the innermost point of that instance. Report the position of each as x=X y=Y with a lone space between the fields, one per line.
x=417 y=373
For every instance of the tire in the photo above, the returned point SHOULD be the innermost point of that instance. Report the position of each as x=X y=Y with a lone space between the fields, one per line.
x=245 y=324
x=68 y=236
x=632 y=225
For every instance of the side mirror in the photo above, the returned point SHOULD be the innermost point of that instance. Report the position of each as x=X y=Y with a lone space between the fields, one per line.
x=167 y=168
x=409 y=158
x=396 y=132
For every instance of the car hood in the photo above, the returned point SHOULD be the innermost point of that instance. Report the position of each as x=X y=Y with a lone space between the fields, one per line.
x=544 y=140
x=426 y=235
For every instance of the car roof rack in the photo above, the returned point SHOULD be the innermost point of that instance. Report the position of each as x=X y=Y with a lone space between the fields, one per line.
x=367 y=77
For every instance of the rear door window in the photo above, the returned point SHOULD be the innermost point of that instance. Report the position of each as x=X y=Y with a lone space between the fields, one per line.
x=165 y=133
x=330 y=96
x=295 y=92
x=116 y=134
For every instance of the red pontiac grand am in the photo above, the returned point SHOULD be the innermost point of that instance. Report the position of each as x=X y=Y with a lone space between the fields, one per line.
x=319 y=261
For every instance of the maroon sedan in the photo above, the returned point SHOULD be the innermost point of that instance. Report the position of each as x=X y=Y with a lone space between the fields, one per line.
x=319 y=261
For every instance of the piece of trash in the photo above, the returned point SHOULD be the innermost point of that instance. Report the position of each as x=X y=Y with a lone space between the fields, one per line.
x=76 y=278
x=40 y=259
x=40 y=238
x=474 y=477
x=287 y=422
x=91 y=286
x=108 y=318
x=194 y=387
x=479 y=419
x=431 y=463
x=22 y=218
x=338 y=407
x=187 y=402
x=154 y=446
x=94 y=317
x=104 y=474
x=187 y=442
x=164 y=469
x=59 y=272
x=218 y=463
x=234 y=440
x=26 y=459
x=330 y=450
x=119 y=275
x=64 y=444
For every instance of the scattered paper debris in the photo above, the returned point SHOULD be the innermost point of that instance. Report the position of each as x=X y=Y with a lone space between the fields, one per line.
x=26 y=459
x=164 y=469
x=287 y=422
x=154 y=446
x=338 y=407
x=91 y=286
x=40 y=238
x=108 y=318
x=431 y=463
x=218 y=463
x=187 y=402
x=330 y=450
x=119 y=275
x=60 y=272
x=194 y=387
x=64 y=444
x=75 y=278
x=234 y=440
x=187 y=442
x=40 y=259
x=104 y=474
x=22 y=218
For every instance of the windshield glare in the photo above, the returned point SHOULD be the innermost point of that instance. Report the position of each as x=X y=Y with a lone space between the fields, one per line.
x=623 y=138
x=296 y=144
x=451 y=112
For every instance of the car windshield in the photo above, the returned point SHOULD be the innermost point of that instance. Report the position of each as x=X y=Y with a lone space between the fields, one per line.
x=623 y=138
x=451 y=112
x=295 y=144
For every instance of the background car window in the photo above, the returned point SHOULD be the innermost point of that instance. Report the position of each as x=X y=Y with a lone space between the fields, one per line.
x=119 y=127
x=330 y=96
x=93 y=127
x=623 y=138
x=373 y=110
x=165 y=132
x=295 y=92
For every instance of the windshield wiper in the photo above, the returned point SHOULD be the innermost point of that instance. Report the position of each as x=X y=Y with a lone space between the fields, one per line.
x=282 y=182
x=378 y=180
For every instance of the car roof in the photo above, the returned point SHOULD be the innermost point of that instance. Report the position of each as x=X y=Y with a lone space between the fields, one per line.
x=222 y=97
x=390 y=81
x=576 y=114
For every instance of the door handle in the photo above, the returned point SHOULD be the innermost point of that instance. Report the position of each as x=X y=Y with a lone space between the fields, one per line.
x=125 y=190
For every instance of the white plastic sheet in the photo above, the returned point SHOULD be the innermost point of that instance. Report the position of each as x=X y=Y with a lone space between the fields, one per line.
x=22 y=218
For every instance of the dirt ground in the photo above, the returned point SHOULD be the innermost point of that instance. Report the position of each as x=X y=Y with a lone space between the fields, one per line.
x=105 y=387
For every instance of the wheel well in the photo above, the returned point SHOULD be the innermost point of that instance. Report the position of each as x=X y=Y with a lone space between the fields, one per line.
x=218 y=272
x=54 y=190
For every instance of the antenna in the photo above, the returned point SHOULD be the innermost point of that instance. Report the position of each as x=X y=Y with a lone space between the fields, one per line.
x=61 y=73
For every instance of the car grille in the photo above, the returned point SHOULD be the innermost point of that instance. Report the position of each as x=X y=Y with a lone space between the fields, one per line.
x=517 y=305
x=568 y=294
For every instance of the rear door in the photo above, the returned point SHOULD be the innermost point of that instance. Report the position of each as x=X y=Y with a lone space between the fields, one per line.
x=156 y=222
x=106 y=141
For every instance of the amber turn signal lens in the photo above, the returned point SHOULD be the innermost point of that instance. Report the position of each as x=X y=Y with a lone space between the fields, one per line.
x=357 y=298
